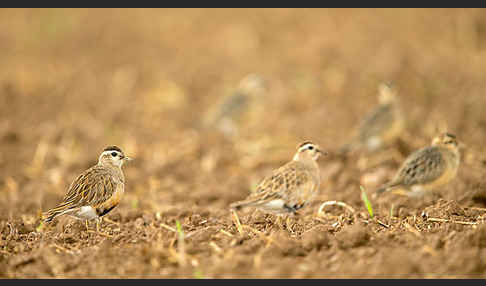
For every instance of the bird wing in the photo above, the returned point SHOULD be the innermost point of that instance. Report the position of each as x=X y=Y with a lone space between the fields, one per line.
x=233 y=104
x=422 y=167
x=92 y=188
x=230 y=106
x=376 y=122
x=282 y=184
x=373 y=124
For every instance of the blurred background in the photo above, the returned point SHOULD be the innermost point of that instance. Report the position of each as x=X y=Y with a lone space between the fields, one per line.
x=208 y=102
x=73 y=81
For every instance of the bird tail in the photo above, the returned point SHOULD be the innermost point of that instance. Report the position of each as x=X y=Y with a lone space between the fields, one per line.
x=241 y=204
x=49 y=215
x=386 y=188
x=381 y=190
x=237 y=206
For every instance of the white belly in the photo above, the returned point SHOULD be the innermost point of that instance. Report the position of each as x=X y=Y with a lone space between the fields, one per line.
x=275 y=206
x=84 y=213
x=416 y=191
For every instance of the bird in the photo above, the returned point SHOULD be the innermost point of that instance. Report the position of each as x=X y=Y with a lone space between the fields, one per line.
x=381 y=126
x=96 y=191
x=290 y=187
x=231 y=111
x=427 y=168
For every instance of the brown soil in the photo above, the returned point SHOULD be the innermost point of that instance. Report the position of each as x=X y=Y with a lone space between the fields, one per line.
x=74 y=81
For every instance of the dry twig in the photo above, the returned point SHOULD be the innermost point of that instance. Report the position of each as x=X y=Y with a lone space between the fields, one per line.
x=432 y=219
x=331 y=203
x=236 y=221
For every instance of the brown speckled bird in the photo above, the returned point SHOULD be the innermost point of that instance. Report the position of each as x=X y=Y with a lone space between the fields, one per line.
x=290 y=187
x=96 y=191
x=427 y=168
x=231 y=111
x=383 y=125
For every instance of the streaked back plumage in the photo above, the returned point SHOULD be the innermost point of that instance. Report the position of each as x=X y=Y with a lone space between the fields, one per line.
x=99 y=187
x=289 y=187
x=429 y=167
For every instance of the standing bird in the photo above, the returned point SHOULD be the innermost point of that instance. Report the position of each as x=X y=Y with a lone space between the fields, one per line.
x=96 y=191
x=427 y=168
x=291 y=186
x=227 y=115
x=383 y=125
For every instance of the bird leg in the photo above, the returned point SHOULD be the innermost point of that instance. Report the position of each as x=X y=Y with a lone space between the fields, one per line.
x=288 y=224
x=98 y=231
x=252 y=215
x=87 y=225
x=110 y=221
x=279 y=222
x=236 y=221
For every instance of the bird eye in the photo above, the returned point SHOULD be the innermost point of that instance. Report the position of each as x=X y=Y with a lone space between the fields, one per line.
x=310 y=147
x=113 y=154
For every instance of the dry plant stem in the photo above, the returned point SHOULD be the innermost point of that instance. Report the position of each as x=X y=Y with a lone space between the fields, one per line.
x=226 y=233
x=319 y=219
x=62 y=248
x=181 y=249
x=288 y=224
x=168 y=227
x=320 y=211
x=173 y=254
x=382 y=223
x=236 y=221
x=278 y=222
x=196 y=231
x=100 y=233
x=332 y=203
x=412 y=230
x=11 y=232
x=171 y=243
x=476 y=208
x=452 y=221
x=110 y=221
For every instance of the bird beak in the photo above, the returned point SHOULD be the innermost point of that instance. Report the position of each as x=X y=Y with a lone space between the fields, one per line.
x=127 y=158
x=322 y=152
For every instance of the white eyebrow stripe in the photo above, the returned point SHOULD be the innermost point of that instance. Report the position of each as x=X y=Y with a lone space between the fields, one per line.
x=109 y=152
x=306 y=146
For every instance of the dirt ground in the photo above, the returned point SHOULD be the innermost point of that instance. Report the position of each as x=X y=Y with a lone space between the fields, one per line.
x=75 y=81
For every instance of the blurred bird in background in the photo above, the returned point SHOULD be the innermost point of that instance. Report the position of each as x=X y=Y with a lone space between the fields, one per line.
x=380 y=127
x=426 y=169
x=233 y=110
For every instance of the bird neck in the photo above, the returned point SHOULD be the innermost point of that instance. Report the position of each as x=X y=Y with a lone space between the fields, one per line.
x=307 y=162
x=110 y=165
x=451 y=154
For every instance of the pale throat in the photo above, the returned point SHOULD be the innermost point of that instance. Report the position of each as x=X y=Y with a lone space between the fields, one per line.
x=108 y=162
x=305 y=158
